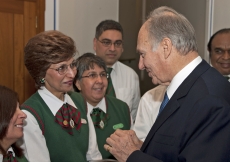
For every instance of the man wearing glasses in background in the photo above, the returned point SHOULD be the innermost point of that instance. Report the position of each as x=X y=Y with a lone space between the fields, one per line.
x=124 y=83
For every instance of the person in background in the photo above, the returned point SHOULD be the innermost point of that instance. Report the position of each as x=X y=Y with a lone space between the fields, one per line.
x=56 y=130
x=105 y=113
x=194 y=117
x=148 y=110
x=123 y=81
x=219 y=51
x=11 y=126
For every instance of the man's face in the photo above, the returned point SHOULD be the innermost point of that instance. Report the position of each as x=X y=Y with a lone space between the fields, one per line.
x=151 y=61
x=109 y=53
x=220 y=53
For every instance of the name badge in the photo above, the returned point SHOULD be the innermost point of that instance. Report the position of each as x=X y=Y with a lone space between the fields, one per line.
x=118 y=126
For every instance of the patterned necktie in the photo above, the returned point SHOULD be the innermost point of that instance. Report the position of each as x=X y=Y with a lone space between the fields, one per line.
x=9 y=157
x=164 y=102
x=110 y=89
x=99 y=118
x=68 y=117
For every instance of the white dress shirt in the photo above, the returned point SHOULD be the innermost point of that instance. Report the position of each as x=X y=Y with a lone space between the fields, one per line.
x=33 y=135
x=148 y=110
x=91 y=154
x=228 y=77
x=182 y=75
x=1 y=156
x=126 y=86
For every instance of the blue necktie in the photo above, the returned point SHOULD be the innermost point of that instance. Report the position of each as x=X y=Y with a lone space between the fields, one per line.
x=164 y=102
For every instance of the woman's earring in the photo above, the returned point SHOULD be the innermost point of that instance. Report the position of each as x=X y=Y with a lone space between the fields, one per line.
x=42 y=81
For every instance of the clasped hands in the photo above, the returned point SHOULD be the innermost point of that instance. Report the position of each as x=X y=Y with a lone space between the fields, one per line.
x=122 y=143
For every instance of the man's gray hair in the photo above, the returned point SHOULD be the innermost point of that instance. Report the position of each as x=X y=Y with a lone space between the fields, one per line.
x=164 y=22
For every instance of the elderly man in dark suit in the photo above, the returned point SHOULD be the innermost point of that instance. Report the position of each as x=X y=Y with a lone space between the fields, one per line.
x=193 y=123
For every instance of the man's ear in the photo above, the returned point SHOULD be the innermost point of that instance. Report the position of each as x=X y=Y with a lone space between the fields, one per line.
x=78 y=85
x=209 y=52
x=94 y=44
x=167 y=47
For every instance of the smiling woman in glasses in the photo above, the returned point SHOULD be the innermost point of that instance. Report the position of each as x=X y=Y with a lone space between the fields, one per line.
x=105 y=113
x=49 y=135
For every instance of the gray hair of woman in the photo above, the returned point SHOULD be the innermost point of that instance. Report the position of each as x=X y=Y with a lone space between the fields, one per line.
x=164 y=22
x=44 y=49
x=87 y=62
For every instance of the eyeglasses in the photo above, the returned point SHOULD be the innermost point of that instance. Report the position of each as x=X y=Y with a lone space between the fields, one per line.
x=108 y=43
x=63 y=68
x=94 y=76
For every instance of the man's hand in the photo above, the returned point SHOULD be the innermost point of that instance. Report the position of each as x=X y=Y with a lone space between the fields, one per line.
x=122 y=143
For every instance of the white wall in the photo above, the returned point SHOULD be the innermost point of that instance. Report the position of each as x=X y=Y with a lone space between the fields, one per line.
x=79 y=18
x=217 y=17
x=221 y=17
x=49 y=15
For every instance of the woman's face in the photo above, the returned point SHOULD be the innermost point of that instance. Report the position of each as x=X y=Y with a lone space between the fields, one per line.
x=94 y=86
x=15 y=129
x=57 y=83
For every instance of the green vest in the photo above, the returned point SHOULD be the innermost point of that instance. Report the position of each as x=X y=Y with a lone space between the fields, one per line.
x=21 y=159
x=118 y=113
x=62 y=146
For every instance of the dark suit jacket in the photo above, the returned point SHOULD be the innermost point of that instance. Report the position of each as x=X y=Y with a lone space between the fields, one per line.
x=195 y=124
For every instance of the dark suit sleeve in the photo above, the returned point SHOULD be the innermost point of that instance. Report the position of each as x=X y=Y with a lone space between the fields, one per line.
x=208 y=132
x=206 y=137
x=139 y=156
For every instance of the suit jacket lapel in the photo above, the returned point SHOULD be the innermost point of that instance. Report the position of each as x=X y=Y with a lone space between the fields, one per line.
x=174 y=103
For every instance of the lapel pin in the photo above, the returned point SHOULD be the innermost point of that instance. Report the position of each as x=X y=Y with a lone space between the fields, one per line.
x=102 y=124
x=71 y=122
x=65 y=122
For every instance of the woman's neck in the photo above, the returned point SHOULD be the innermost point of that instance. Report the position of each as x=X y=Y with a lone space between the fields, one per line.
x=5 y=145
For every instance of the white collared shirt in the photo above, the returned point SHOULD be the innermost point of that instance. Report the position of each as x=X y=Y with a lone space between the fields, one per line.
x=150 y=102
x=10 y=149
x=126 y=86
x=92 y=133
x=33 y=135
x=182 y=75
x=148 y=111
x=227 y=76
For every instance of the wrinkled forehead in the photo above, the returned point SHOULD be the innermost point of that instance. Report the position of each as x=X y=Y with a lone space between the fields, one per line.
x=143 y=39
